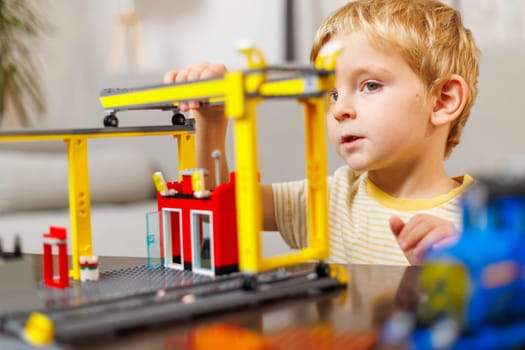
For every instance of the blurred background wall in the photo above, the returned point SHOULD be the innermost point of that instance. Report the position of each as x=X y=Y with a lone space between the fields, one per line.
x=91 y=47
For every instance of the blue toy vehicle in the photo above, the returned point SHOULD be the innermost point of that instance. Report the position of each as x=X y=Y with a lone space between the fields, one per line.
x=472 y=295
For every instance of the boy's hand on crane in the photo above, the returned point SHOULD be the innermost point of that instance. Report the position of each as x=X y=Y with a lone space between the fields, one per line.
x=421 y=233
x=198 y=71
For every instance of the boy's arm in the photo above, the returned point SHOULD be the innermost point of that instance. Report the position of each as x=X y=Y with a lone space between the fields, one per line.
x=211 y=124
x=269 y=223
x=210 y=133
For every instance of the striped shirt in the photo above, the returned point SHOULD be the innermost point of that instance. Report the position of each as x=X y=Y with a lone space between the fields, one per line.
x=359 y=214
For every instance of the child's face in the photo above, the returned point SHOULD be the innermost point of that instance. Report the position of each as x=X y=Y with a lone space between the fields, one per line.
x=379 y=113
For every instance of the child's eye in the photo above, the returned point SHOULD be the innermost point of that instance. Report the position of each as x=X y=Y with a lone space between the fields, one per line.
x=333 y=95
x=371 y=86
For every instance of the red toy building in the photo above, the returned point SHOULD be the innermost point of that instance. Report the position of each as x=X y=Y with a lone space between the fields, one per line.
x=198 y=228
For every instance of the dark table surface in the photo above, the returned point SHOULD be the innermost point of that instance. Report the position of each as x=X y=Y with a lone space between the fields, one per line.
x=364 y=304
x=367 y=300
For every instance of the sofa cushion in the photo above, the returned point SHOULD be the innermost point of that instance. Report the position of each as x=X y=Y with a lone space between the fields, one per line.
x=37 y=180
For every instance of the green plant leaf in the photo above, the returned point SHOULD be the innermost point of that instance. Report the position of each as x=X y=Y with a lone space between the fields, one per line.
x=21 y=24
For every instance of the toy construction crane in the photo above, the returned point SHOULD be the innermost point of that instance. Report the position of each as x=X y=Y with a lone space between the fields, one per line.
x=240 y=91
x=261 y=279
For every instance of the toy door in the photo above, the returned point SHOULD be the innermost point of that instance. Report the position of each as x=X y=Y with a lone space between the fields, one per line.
x=202 y=242
x=153 y=238
x=172 y=236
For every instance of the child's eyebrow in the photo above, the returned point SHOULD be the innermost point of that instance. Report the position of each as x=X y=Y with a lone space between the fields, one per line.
x=369 y=68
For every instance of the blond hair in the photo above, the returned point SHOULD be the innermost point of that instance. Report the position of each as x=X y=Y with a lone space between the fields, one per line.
x=429 y=35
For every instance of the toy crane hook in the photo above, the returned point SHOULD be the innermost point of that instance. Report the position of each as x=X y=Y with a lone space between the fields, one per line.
x=327 y=57
x=254 y=56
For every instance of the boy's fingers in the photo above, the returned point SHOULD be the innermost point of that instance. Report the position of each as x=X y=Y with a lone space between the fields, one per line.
x=184 y=107
x=409 y=234
x=181 y=76
x=202 y=70
x=213 y=71
x=194 y=105
x=169 y=77
x=415 y=230
x=429 y=241
x=396 y=225
x=446 y=242
x=196 y=73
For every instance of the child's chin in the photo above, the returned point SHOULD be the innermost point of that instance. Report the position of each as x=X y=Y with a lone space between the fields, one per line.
x=358 y=166
x=355 y=161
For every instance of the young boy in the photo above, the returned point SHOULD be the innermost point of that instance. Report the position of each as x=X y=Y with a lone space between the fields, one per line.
x=405 y=83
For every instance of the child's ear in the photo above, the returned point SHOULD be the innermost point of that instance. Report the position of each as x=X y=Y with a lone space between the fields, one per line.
x=451 y=98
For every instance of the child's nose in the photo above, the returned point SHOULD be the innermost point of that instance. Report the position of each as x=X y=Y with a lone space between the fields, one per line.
x=343 y=114
x=343 y=107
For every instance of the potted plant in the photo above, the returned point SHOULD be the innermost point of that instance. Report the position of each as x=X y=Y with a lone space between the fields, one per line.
x=21 y=98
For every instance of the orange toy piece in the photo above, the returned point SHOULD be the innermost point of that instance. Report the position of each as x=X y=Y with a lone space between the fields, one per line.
x=224 y=336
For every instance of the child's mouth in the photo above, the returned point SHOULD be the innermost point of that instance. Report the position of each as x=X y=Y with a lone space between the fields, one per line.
x=349 y=141
x=349 y=138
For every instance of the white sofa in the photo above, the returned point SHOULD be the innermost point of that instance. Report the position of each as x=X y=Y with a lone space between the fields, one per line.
x=34 y=196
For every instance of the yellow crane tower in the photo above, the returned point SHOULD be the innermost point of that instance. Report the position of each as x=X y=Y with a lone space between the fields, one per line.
x=240 y=91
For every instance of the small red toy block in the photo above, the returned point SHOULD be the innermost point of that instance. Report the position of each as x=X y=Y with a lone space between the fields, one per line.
x=57 y=236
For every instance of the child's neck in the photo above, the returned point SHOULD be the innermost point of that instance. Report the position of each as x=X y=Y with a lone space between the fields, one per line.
x=424 y=182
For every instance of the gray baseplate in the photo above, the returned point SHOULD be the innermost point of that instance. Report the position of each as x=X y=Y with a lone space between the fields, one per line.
x=118 y=284
x=140 y=296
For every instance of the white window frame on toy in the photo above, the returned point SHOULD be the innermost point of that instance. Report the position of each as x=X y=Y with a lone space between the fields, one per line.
x=167 y=237
x=195 y=246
